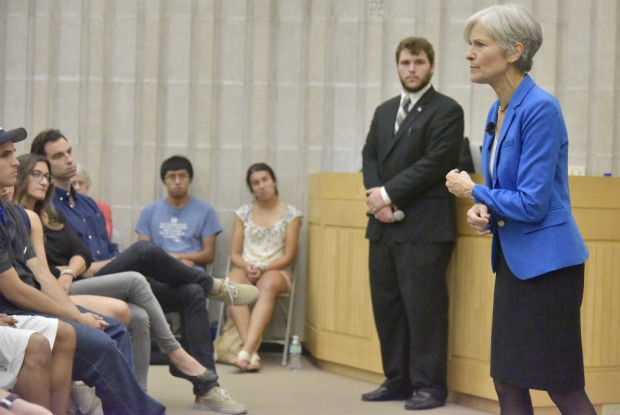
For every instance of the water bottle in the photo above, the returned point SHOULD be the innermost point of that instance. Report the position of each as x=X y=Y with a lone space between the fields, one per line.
x=294 y=353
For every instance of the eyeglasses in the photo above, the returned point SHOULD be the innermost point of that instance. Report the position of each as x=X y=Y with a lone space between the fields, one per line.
x=37 y=175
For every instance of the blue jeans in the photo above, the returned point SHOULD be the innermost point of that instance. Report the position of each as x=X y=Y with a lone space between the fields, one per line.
x=155 y=264
x=103 y=359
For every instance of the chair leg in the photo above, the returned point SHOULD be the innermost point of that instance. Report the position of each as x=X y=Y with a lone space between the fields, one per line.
x=289 y=320
x=220 y=317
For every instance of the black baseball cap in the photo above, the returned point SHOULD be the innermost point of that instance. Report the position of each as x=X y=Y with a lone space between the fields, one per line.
x=16 y=135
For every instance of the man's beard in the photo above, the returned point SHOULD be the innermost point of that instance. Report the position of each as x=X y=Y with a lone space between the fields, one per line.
x=425 y=82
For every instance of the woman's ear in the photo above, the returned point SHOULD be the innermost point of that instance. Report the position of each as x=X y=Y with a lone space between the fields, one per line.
x=517 y=52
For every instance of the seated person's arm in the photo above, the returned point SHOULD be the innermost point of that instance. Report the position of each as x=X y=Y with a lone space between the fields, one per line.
x=291 y=241
x=236 y=245
x=142 y=237
x=95 y=267
x=76 y=265
x=29 y=298
x=52 y=291
x=202 y=257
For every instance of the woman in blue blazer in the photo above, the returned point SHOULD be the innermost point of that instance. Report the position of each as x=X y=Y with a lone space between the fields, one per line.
x=538 y=253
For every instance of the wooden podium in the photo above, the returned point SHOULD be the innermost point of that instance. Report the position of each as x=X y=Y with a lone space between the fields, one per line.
x=340 y=331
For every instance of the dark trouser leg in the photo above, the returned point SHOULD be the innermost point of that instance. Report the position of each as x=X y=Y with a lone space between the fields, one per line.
x=153 y=262
x=390 y=319
x=421 y=272
x=189 y=300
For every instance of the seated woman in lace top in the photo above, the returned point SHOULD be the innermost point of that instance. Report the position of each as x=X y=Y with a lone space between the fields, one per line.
x=263 y=248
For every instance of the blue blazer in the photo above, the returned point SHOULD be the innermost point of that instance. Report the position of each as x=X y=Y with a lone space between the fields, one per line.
x=528 y=196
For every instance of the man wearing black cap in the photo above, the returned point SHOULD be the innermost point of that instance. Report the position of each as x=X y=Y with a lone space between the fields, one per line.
x=102 y=360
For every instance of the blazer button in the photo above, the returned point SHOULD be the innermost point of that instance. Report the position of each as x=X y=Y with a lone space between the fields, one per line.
x=500 y=223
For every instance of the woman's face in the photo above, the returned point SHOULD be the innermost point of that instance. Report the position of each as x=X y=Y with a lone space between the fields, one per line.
x=80 y=184
x=262 y=184
x=486 y=60
x=38 y=181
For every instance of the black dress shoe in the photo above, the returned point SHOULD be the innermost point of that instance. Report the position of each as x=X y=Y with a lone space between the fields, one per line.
x=202 y=383
x=384 y=394
x=424 y=400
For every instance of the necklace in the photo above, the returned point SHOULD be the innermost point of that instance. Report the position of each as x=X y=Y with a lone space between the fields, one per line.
x=503 y=109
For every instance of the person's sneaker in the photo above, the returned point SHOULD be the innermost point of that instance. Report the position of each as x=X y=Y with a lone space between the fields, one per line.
x=233 y=293
x=218 y=400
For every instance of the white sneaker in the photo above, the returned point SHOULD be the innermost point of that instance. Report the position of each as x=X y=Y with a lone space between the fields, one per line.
x=84 y=400
x=218 y=400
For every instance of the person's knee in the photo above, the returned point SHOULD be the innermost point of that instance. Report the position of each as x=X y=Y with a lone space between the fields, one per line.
x=38 y=353
x=121 y=312
x=65 y=337
x=145 y=249
x=140 y=321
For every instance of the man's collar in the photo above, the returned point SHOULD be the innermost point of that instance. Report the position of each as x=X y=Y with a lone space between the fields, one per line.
x=61 y=193
x=415 y=96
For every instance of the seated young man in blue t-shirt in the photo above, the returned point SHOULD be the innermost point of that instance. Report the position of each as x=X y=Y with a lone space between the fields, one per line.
x=183 y=226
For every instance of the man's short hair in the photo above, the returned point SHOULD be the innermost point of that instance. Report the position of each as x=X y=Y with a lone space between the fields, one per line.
x=176 y=163
x=44 y=137
x=414 y=45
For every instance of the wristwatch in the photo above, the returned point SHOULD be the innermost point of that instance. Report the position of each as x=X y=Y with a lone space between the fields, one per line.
x=8 y=400
x=70 y=272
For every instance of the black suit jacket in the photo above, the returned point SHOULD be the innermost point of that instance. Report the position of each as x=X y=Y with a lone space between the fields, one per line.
x=412 y=166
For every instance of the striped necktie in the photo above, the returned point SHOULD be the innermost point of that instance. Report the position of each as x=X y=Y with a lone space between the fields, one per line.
x=402 y=112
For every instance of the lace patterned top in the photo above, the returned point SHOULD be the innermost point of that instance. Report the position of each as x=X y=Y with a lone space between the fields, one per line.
x=262 y=245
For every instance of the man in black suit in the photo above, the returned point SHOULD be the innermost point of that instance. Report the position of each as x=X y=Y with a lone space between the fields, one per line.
x=413 y=142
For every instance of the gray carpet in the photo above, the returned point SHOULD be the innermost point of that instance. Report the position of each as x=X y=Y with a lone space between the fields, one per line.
x=276 y=390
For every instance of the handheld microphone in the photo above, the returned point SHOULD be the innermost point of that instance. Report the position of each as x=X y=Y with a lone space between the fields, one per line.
x=490 y=128
x=399 y=215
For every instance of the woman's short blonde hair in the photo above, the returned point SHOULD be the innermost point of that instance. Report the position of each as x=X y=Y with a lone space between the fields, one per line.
x=509 y=24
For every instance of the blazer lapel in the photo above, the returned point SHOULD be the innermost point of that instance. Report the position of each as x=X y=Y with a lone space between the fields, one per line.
x=417 y=109
x=516 y=99
x=486 y=146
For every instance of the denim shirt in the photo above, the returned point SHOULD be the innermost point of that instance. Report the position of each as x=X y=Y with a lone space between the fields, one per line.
x=88 y=222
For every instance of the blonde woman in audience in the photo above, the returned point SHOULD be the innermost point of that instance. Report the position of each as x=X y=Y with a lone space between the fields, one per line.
x=81 y=184
x=264 y=245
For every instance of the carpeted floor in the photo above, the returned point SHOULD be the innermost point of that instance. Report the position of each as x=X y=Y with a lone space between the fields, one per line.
x=276 y=390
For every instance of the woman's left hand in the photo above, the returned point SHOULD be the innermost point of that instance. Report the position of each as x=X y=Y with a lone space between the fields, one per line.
x=254 y=272
x=459 y=183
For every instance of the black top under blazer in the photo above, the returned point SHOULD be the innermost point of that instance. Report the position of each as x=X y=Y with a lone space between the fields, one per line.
x=412 y=166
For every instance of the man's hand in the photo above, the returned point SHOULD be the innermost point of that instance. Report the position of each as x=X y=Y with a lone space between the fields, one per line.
x=459 y=183
x=385 y=215
x=6 y=320
x=92 y=320
x=374 y=200
x=478 y=218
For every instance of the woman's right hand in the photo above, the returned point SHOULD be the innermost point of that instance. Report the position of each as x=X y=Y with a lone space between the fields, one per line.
x=478 y=218
x=253 y=272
